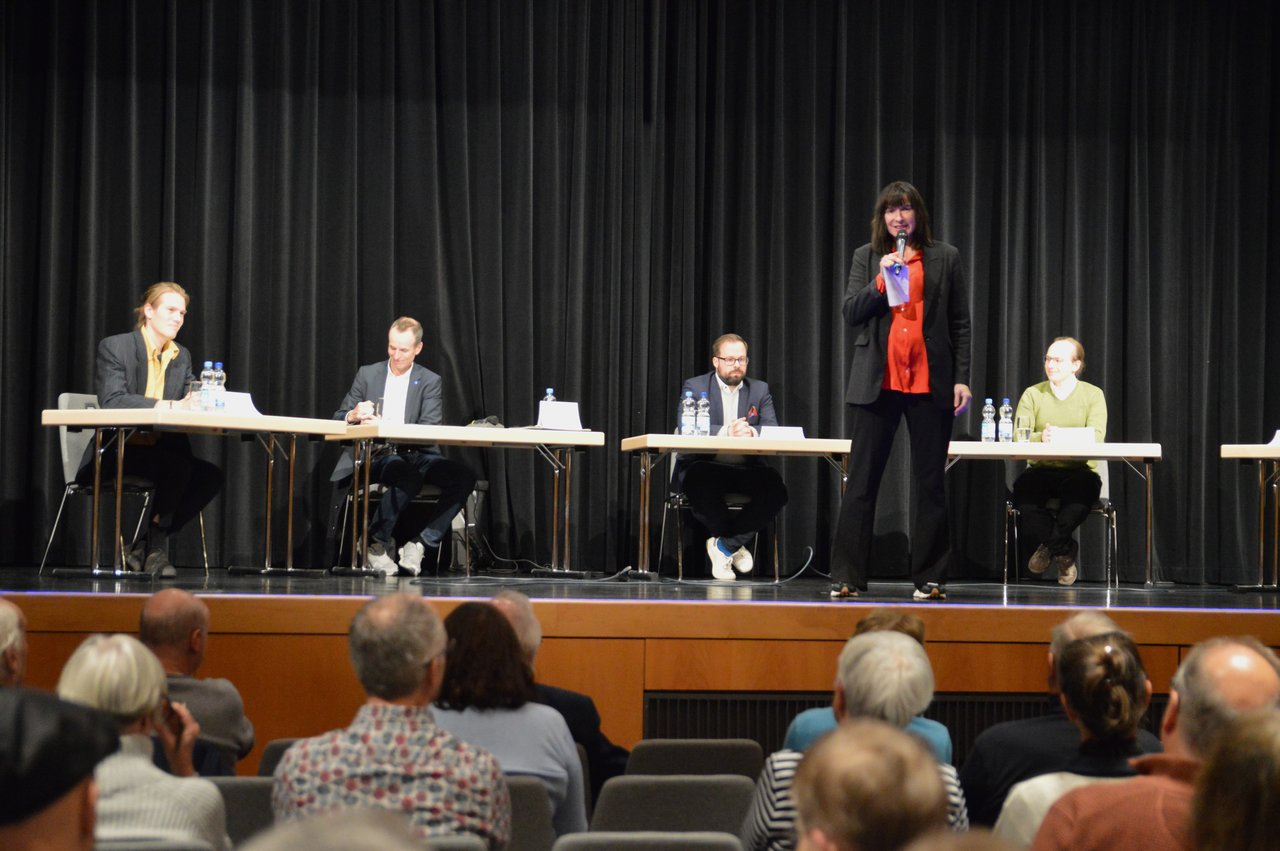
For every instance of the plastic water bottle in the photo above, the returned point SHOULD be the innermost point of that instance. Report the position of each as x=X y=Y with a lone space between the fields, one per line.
x=702 y=424
x=219 y=388
x=206 y=386
x=1005 y=428
x=988 y=422
x=688 y=413
x=551 y=395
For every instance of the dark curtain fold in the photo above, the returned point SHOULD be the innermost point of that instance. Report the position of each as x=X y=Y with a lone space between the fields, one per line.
x=584 y=194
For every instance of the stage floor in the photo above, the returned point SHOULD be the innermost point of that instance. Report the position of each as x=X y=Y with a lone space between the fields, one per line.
x=623 y=587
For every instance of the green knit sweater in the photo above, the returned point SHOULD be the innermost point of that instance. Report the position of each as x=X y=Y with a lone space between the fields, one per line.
x=1086 y=406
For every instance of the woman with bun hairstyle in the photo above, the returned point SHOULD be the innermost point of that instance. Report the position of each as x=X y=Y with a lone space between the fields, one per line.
x=1105 y=693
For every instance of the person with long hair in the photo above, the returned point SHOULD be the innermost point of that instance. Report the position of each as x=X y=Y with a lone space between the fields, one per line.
x=488 y=698
x=148 y=368
x=910 y=318
x=1105 y=692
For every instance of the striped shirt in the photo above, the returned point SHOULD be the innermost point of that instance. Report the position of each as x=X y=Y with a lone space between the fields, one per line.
x=771 y=822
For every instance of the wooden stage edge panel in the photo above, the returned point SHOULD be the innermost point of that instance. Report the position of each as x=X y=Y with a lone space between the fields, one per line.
x=288 y=654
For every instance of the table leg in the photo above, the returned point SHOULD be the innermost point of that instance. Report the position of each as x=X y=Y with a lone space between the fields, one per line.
x=270 y=443
x=1275 y=524
x=556 y=563
x=118 y=559
x=97 y=496
x=646 y=472
x=288 y=512
x=566 y=551
x=1150 y=580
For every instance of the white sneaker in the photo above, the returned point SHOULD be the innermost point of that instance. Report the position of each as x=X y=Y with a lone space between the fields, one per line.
x=742 y=560
x=721 y=564
x=378 y=560
x=411 y=557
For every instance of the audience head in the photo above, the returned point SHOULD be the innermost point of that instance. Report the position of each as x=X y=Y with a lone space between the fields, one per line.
x=1105 y=689
x=945 y=839
x=385 y=830
x=487 y=669
x=519 y=611
x=891 y=620
x=1220 y=680
x=174 y=625
x=13 y=644
x=397 y=645
x=116 y=674
x=1082 y=624
x=866 y=786
x=48 y=751
x=883 y=675
x=1238 y=785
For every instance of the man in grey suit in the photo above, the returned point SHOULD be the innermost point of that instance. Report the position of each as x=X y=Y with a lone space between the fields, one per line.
x=408 y=393
x=706 y=480
x=147 y=368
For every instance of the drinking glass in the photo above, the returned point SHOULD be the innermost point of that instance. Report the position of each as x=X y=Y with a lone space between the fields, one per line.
x=1022 y=430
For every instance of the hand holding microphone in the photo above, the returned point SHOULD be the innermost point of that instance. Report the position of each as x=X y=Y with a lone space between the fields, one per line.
x=902 y=247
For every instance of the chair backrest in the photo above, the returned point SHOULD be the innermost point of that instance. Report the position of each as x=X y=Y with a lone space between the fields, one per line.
x=531 y=827
x=697 y=756
x=649 y=840
x=456 y=842
x=272 y=753
x=150 y=845
x=73 y=443
x=248 y=805
x=585 y=762
x=714 y=802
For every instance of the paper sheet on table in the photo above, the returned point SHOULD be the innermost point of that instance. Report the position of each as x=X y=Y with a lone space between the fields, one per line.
x=1275 y=441
x=782 y=432
x=897 y=286
x=1074 y=436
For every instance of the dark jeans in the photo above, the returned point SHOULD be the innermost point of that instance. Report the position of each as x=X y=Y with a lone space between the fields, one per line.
x=402 y=476
x=184 y=484
x=707 y=482
x=874 y=427
x=1076 y=489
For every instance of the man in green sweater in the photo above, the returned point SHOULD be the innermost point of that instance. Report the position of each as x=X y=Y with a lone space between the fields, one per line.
x=1064 y=401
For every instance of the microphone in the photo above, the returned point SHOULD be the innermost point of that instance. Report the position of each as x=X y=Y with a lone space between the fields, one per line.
x=902 y=246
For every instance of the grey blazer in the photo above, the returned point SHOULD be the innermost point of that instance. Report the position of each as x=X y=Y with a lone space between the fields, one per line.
x=423 y=405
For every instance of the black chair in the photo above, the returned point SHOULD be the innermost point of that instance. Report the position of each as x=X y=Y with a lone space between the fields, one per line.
x=531 y=817
x=1103 y=507
x=648 y=840
x=248 y=805
x=675 y=802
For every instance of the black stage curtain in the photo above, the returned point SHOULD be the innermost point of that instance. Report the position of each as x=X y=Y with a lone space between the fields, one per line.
x=584 y=194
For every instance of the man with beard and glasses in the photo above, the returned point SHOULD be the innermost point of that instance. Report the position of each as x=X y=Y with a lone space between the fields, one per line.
x=740 y=407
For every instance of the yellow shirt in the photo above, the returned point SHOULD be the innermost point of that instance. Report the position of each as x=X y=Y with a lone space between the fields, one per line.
x=157 y=364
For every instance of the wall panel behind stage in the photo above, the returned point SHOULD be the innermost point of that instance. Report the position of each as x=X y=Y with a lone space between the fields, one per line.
x=583 y=194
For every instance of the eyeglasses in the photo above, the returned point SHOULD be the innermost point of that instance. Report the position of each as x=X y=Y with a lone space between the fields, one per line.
x=742 y=361
x=1048 y=359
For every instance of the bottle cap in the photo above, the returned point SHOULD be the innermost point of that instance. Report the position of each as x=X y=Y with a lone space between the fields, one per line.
x=551 y=391
x=988 y=400
x=208 y=364
x=704 y=394
x=218 y=365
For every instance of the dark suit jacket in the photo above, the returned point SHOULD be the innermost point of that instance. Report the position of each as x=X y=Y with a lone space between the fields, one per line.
x=423 y=405
x=120 y=376
x=604 y=758
x=754 y=403
x=946 y=325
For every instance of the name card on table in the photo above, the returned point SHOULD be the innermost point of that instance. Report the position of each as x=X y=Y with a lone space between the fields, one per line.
x=782 y=432
x=560 y=416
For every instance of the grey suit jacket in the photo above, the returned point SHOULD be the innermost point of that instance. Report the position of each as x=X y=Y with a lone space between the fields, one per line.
x=424 y=404
x=946 y=325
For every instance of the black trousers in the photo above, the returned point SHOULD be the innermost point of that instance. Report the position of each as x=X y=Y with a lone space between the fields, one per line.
x=874 y=427
x=184 y=484
x=1075 y=488
x=707 y=482
x=402 y=476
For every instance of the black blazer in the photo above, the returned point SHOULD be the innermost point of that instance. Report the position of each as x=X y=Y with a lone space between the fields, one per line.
x=946 y=325
x=424 y=404
x=120 y=377
x=754 y=403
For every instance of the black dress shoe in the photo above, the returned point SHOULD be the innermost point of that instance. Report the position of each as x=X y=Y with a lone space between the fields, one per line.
x=135 y=556
x=158 y=565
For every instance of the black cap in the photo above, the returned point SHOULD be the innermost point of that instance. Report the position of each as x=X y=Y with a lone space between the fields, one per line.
x=47 y=746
